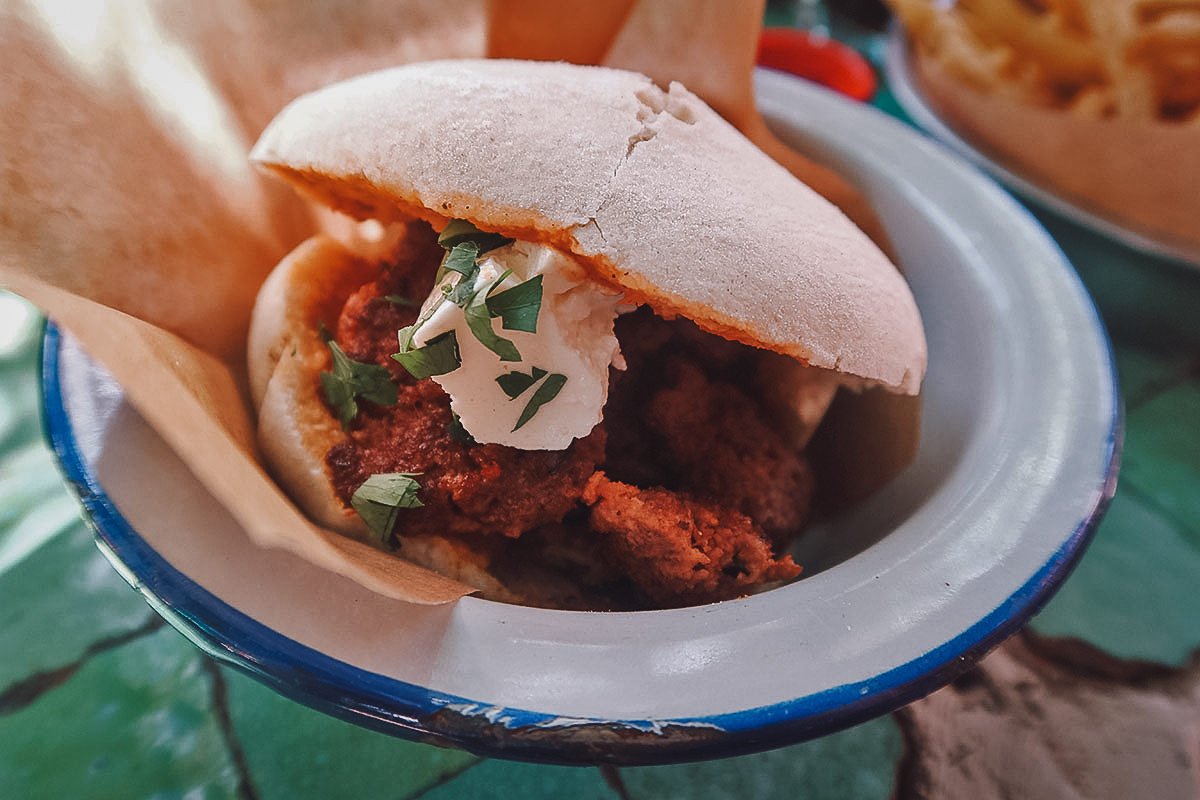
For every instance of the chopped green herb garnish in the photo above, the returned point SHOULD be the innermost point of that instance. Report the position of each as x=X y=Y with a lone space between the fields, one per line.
x=379 y=500
x=519 y=306
x=515 y=384
x=351 y=380
x=459 y=231
x=436 y=357
x=543 y=394
x=401 y=300
x=462 y=259
x=458 y=432
x=479 y=320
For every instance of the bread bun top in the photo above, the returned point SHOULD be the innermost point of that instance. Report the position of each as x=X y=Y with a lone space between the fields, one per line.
x=656 y=193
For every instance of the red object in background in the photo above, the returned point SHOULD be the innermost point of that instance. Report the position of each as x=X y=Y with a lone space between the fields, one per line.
x=818 y=58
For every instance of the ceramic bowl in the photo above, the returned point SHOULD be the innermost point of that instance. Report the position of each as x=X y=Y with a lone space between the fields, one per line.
x=1017 y=461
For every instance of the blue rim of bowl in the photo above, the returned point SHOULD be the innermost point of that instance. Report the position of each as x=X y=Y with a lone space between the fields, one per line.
x=413 y=712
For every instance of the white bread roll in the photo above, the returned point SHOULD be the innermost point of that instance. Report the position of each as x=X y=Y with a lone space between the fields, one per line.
x=656 y=193
x=286 y=356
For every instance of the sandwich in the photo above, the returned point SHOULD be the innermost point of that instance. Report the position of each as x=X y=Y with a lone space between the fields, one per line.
x=572 y=348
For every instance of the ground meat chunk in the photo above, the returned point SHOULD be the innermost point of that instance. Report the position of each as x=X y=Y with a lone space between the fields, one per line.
x=468 y=489
x=372 y=316
x=723 y=449
x=683 y=495
x=680 y=551
x=683 y=417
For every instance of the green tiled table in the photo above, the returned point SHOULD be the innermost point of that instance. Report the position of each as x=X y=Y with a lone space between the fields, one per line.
x=99 y=698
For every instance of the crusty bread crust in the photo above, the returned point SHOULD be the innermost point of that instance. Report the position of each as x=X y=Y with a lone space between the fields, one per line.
x=285 y=358
x=657 y=193
x=295 y=429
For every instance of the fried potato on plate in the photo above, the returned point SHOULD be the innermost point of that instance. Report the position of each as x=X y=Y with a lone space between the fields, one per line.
x=1098 y=102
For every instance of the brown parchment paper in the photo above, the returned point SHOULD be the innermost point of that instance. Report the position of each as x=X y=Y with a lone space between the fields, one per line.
x=192 y=399
x=131 y=216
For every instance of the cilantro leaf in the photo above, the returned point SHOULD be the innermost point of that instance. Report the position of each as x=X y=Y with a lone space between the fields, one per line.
x=479 y=320
x=379 y=500
x=519 y=306
x=351 y=380
x=514 y=384
x=401 y=300
x=464 y=291
x=549 y=390
x=459 y=231
x=458 y=432
x=437 y=356
x=461 y=259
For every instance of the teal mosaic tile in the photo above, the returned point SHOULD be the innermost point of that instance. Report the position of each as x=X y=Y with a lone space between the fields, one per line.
x=1160 y=461
x=133 y=722
x=496 y=780
x=1134 y=593
x=855 y=763
x=1145 y=373
x=303 y=753
x=58 y=595
x=1143 y=299
x=79 y=600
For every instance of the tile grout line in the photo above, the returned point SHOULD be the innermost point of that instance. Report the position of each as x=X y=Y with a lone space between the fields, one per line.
x=1189 y=371
x=616 y=781
x=1132 y=490
x=26 y=691
x=246 y=788
x=444 y=780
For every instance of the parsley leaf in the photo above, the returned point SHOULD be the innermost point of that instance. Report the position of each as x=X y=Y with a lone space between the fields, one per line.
x=436 y=357
x=461 y=259
x=379 y=500
x=401 y=300
x=544 y=394
x=459 y=231
x=515 y=384
x=462 y=292
x=351 y=380
x=458 y=432
x=479 y=320
x=519 y=306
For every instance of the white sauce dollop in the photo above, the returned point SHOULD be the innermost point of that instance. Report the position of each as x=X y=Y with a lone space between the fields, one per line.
x=574 y=338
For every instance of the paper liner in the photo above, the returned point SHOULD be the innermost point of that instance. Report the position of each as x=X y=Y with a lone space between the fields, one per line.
x=193 y=401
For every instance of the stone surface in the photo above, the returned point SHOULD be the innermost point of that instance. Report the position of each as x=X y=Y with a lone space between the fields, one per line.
x=1057 y=718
